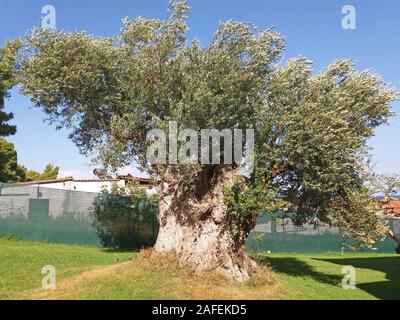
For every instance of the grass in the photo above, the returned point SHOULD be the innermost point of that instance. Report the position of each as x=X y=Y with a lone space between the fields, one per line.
x=160 y=277
x=320 y=276
x=85 y=272
x=21 y=263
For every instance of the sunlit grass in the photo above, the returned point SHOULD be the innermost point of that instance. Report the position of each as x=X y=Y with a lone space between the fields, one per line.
x=85 y=272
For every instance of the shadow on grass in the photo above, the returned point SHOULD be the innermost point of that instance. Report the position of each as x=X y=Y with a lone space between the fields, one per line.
x=298 y=268
x=387 y=290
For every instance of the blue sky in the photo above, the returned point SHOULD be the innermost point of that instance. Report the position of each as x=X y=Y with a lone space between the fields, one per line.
x=312 y=29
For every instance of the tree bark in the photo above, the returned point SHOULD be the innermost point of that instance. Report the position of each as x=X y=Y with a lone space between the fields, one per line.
x=194 y=225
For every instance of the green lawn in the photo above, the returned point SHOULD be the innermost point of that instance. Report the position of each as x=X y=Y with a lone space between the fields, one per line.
x=21 y=263
x=320 y=276
x=110 y=276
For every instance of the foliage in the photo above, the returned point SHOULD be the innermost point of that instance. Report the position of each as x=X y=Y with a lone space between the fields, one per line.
x=387 y=184
x=245 y=204
x=50 y=172
x=258 y=238
x=310 y=128
x=7 y=59
x=9 y=169
x=125 y=217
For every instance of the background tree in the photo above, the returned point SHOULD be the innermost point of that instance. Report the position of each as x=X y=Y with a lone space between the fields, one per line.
x=7 y=59
x=9 y=169
x=310 y=129
x=50 y=172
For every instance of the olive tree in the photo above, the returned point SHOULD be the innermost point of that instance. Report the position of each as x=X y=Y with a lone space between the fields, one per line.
x=310 y=129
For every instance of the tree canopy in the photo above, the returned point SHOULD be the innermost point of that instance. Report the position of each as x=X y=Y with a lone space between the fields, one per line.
x=9 y=168
x=311 y=128
x=7 y=59
x=50 y=172
x=11 y=171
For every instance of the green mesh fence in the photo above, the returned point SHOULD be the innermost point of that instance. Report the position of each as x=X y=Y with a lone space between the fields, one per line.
x=61 y=216
x=276 y=233
x=45 y=214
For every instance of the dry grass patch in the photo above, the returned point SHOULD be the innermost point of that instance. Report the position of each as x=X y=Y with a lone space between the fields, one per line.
x=151 y=276
x=186 y=284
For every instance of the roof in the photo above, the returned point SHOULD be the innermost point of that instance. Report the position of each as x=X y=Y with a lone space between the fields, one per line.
x=45 y=181
x=394 y=207
x=142 y=181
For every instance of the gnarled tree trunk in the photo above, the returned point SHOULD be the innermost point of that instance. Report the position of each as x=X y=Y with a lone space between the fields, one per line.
x=194 y=225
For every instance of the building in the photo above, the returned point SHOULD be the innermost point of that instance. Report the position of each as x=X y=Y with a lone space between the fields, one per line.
x=60 y=197
x=91 y=185
x=394 y=207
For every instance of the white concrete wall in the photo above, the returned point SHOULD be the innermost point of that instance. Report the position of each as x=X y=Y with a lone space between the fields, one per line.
x=85 y=186
x=14 y=201
x=90 y=186
x=73 y=197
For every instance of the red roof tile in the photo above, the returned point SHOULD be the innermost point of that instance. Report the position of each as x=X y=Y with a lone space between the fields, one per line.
x=45 y=181
x=142 y=181
x=394 y=207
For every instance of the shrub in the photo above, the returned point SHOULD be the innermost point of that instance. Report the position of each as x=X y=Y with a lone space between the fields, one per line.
x=126 y=217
